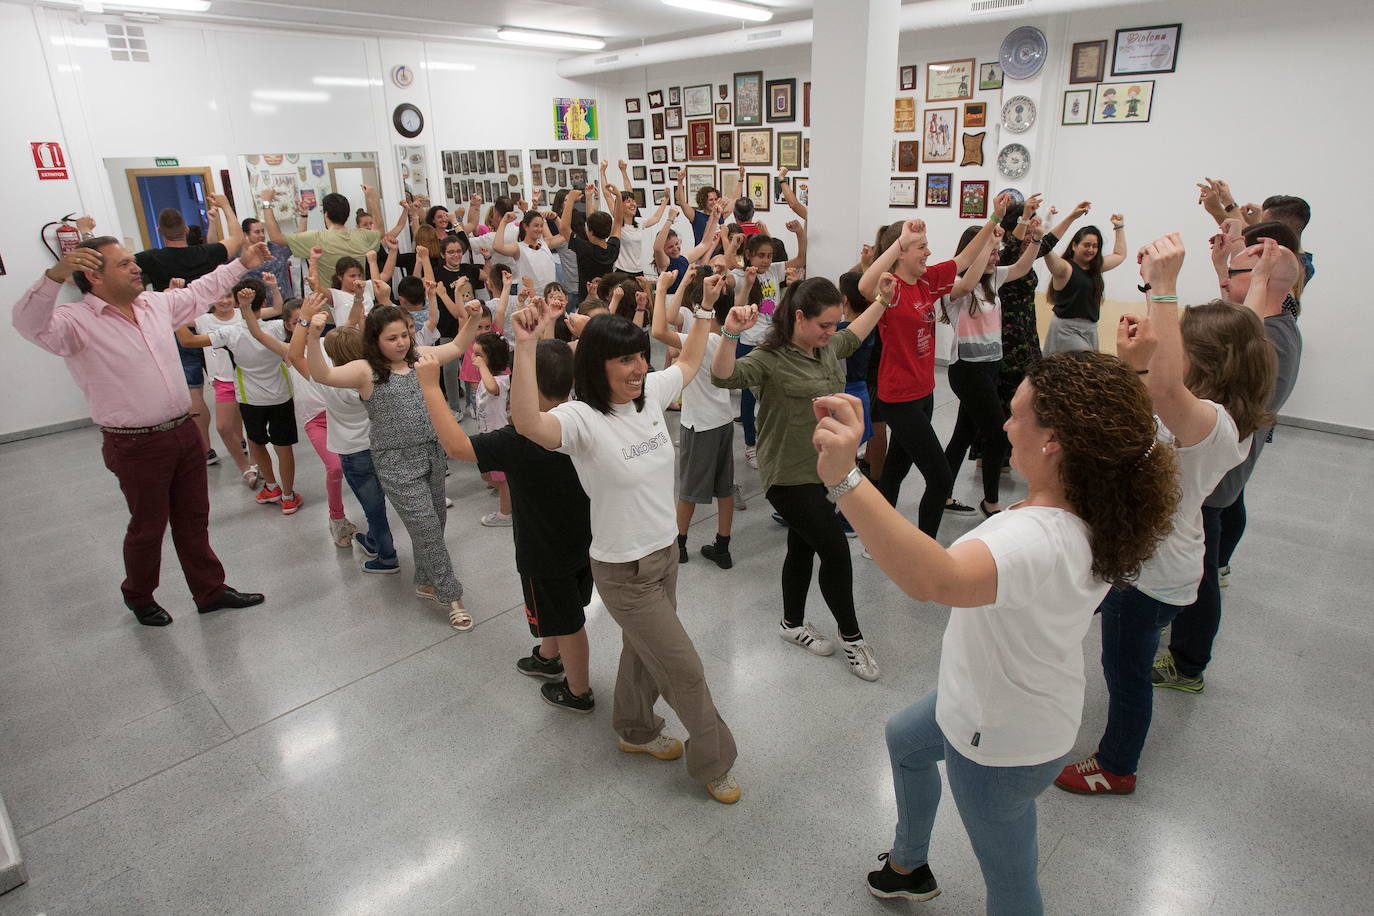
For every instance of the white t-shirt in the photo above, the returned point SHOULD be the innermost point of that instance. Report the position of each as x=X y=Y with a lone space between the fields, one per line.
x=259 y=375
x=631 y=259
x=483 y=243
x=493 y=410
x=1011 y=672
x=540 y=264
x=704 y=406
x=770 y=282
x=1173 y=573
x=217 y=361
x=343 y=303
x=625 y=460
x=347 y=424
x=305 y=398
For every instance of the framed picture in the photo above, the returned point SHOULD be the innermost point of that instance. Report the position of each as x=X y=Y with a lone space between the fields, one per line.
x=679 y=144
x=672 y=118
x=634 y=150
x=1078 y=104
x=696 y=101
x=906 y=79
x=638 y=195
x=698 y=177
x=565 y=157
x=581 y=158
x=973 y=200
x=990 y=75
x=908 y=159
x=755 y=147
x=948 y=80
x=636 y=129
x=1123 y=103
x=639 y=173
x=901 y=192
x=757 y=188
x=1153 y=49
x=806 y=104
x=659 y=154
x=724 y=113
x=550 y=177
x=801 y=189
x=806 y=153
x=656 y=98
x=632 y=106
x=657 y=120
x=672 y=173
x=973 y=148
x=725 y=146
x=782 y=100
x=975 y=114
x=562 y=180
x=701 y=140
x=749 y=98
x=789 y=149
x=904 y=115
x=1088 y=61
x=675 y=95
x=660 y=196
x=656 y=176
x=723 y=91
x=938 y=132
x=577 y=178
x=731 y=184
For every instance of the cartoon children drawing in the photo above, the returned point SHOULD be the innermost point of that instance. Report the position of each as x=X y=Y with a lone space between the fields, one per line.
x=1108 y=103
x=1133 y=102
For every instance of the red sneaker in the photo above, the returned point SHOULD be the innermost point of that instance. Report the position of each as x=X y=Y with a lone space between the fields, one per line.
x=270 y=493
x=1088 y=778
x=289 y=504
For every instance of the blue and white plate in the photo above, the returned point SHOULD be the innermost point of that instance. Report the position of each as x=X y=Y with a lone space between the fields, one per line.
x=1023 y=52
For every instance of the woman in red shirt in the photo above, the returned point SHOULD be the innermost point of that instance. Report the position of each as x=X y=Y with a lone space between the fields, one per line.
x=906 y=371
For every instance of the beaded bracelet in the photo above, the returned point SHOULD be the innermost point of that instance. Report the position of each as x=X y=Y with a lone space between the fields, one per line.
x=725 y=333
x=1163 y=298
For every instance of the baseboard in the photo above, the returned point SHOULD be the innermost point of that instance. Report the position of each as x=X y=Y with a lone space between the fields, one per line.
x=37 y=431
x=1321 y=426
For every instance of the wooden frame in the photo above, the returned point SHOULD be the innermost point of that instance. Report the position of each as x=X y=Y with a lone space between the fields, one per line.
x=700 y=176
x=701 y=140
x=973 y=200
x=656 y=176
x=725 y=113
x=939 y=189
x=950 y=80
x=656 y=119
x=975 y=114
x=901 y=192
x=659 y=154
x=789 y=149
x=725 y=146
x=1088 y=61
x=1105 y=102
x=632 y=106
x=908 y=156
x=656 y=98
x=906 y=78
x=207 y=176
x=636 y=128
x=754 y=147
x=749 y=98
x=782 y=100
x=678 y=142
x=672 y=117
x=696 y=101
x=1084 y=99
x=730 y=183
x=758 y=187
x=938 y=145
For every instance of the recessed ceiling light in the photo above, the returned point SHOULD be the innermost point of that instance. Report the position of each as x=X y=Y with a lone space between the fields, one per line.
x=550 y=39
x=724 y=8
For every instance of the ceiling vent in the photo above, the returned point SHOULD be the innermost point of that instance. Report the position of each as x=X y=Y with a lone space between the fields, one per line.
x=764 y=35
x=127 y=43
x=994 y=6
x=608 y=59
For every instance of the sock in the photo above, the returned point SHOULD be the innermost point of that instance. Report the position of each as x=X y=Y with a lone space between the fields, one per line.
x=723 y=543
x=852 y=639
x=682 y=540
x=790 y=626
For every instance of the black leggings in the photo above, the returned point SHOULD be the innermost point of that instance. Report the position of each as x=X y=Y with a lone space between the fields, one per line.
x=980 y=416
x=913 y=440
x=814 y=528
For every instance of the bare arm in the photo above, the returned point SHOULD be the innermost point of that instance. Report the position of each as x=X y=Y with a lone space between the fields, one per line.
x=233 y=243
x=681 y=197
x=451 y=436
x=798 y=261
x=882 y=263
x=250 y=320
x=974 y=249
x=660 y=321
x=694 y=348
x=498 y=241
x=1118 y=254
x=356 y=374
x=530 y=422
x=1030 y=250
x=269 y=217
x=788 y=196
x=660 y=258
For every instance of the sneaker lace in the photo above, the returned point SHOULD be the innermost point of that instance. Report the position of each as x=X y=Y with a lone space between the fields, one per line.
x=860 y=655
x=1166 y=666
x=1088 y=765
x=725 y=782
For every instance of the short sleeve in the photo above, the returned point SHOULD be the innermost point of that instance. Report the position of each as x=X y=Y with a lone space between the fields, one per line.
x=1024 y=551
x=999 y=276
x=216 y=254
x=940 y=278
x=574 y=417
x=664 y=387
x=300 y=243
x=223 y=336
x=493 y=450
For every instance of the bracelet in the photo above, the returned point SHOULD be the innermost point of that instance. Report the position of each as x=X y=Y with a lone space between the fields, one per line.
x=1163 y=298
x=1146 y=288
x=1119 y=228
x=1142 y=372
x=1022 y=221
x=725 y=333
x=704 y=314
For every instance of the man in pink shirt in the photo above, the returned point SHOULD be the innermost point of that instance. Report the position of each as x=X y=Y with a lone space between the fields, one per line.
x=119 y=346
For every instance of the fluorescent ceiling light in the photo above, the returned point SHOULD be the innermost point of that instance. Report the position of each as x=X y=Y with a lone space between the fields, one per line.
x=262 y=108
x=184 y=6
x=550 y=39
x=345 y=81
x=289 y=95
x=724 y=8
x=445 y=65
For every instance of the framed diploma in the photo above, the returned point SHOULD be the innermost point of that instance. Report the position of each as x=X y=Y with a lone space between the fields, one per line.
x=1153 y=49
x=947 y=80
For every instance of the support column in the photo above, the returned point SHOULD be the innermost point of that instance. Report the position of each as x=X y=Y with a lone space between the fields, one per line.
x=853 y=83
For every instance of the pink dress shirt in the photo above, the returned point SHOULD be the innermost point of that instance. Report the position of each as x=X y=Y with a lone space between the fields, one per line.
x=130 y=373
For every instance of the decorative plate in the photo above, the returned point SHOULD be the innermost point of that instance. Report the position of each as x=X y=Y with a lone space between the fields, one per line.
x=1023 y=52
x=1018 y=114
x=1014 y=195
x=1014 y=160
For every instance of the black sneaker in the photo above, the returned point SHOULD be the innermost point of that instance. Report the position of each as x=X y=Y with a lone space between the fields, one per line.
x=889 y=885
x=959 y=508
x=211 y=457
x=721 y=558
x=536 y=665
x=558 y=694
x=682 y=555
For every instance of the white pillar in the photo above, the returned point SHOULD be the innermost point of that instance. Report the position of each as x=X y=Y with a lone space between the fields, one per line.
x=854 y=81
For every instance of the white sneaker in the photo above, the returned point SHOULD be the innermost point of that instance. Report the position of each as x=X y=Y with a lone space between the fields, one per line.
x=861 y=660
x=1224 y=576
x=342 y=531
x=866 y=555
x=740 y=504
x=808 y=637
x=751 y=457
x=724 y=789
x=496 y=520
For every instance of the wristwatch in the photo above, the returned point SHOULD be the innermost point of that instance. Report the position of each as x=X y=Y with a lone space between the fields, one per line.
x=302 y=322
x=704 y=313
x=851 y=480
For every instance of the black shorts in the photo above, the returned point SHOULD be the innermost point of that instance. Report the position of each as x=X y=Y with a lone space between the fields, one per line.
x=275 y=425
x=554 y=607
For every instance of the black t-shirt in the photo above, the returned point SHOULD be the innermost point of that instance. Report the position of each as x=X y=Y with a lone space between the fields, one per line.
x=553 y=518
x=592 y=260
x=448 y=325
x=161 y=266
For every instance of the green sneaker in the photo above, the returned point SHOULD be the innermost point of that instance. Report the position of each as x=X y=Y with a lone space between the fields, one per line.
x=1166 y=674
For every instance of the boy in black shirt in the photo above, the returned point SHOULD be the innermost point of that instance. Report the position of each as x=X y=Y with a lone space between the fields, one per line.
x=552 y=522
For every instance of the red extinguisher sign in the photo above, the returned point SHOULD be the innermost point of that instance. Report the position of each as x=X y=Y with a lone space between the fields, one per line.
x=49 y=160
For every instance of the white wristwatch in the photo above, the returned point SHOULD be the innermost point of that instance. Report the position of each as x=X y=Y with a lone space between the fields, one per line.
x=851 y=480
x=707 y=314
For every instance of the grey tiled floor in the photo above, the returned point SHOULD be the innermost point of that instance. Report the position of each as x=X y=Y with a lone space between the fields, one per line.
x=341 y=750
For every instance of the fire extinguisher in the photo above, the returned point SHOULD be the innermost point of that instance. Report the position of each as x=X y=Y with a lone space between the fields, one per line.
x=68 y=236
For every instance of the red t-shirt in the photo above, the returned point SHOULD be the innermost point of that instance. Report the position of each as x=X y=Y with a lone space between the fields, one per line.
x=906 y=371
x=750 y=228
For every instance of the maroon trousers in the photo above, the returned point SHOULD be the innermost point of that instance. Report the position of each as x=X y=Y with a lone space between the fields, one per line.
x=163 y=478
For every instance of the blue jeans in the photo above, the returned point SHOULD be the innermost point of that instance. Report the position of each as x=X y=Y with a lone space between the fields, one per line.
x=746 y=402
x=860 y=391
x=1195 y=626
x=996 y=804
x=1131 y=621
x=362 y=479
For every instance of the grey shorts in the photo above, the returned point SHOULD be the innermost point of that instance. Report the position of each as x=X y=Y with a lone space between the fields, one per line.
x=706 y=464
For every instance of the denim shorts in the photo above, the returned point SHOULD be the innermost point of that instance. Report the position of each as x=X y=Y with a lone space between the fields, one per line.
x=192 y=366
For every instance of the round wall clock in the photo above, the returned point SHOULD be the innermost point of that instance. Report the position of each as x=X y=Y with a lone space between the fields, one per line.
x=1014 y=160
x=408 y=120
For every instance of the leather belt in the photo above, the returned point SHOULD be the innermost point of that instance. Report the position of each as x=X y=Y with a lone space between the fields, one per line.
x=126 y=431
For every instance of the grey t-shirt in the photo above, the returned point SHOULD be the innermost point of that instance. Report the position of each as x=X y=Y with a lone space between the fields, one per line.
x=1282 y=330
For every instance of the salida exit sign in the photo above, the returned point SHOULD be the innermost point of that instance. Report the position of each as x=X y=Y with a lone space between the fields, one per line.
x=166 y=163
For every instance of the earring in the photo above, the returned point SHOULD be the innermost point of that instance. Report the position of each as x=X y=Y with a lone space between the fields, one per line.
x=1044 y=449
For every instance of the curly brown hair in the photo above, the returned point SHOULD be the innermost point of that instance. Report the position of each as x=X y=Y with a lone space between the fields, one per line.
x=1121 y=482
x=1230 y=362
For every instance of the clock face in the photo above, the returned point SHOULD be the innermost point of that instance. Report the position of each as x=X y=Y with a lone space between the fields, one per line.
x=408 y=120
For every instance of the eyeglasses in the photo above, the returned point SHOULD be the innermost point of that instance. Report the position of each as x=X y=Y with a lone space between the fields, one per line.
x=1235 y=271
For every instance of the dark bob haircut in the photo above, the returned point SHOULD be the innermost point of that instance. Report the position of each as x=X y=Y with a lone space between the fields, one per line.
x=604 y=338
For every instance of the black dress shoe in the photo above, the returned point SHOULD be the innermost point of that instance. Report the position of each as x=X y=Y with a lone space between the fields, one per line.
x=151 y=614
x=232 y=598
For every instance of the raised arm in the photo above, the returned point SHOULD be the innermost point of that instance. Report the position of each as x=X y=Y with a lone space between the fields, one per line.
x=661 y=259
x=311 y=305
x=680 y=197
x=531 y=422
x=372 y=200
x=1118 y=254
x=694 y=347
x=662 y=333
x=912 y=230
x=233 y=242
x=1062 y=229
x=498 y=241
x=788 y=196
x=244 y=302
x=798 y=228
x=565 y=218
x=356 y=374
x=658 y=214
x=451 y=436
x=862 y=326
x=1030 y=250
x=467 y=333
x=723 y=369
x=974 y=249
x=269 y=216
x=703 y=249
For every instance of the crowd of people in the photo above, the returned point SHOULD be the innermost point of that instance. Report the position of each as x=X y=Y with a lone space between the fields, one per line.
x=518 y=338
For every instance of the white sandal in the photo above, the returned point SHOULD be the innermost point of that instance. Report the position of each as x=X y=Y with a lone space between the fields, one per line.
x=252 y=478
x=458 y=617
x=427 y=593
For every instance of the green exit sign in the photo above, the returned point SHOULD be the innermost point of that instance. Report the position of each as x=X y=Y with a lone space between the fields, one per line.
x=166 y=163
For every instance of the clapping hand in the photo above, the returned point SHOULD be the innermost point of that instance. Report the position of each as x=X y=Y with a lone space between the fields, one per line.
x=741 y=318
x=1135 y=341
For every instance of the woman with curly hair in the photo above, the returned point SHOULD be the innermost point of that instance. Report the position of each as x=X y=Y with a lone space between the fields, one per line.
x=1210 y=376
x=1023 y=586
